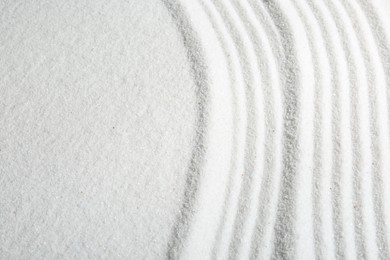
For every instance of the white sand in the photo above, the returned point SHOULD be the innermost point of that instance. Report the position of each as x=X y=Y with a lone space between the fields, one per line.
x=96 y=127
x=199 y=129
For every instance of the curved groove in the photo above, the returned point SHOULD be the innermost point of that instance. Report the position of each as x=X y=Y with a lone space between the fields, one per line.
x=198 y=70
x=284 y=242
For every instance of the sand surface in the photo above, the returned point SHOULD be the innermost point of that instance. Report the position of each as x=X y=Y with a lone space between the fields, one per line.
x=199 y=129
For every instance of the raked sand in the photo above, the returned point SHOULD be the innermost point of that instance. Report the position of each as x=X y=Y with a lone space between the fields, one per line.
x=195 y=129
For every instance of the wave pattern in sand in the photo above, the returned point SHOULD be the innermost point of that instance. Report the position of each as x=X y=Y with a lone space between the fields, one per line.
x=292 y=149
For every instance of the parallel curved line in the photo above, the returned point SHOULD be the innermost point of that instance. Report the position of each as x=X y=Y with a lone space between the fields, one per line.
x=318 y=144
x=251 y=136
x=270 y=121
x=371 y=150
x=359 y=222
x=382 y=242
x=269 y=125
x=259 y=213
x=250 y=107
x=250 y=175
x=266 y=198
x=383 y=44
x=233 y=166
x=336 y=139
x=381 y=41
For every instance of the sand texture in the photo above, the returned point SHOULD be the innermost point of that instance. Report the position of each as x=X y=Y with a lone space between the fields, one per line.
x=195 y=129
